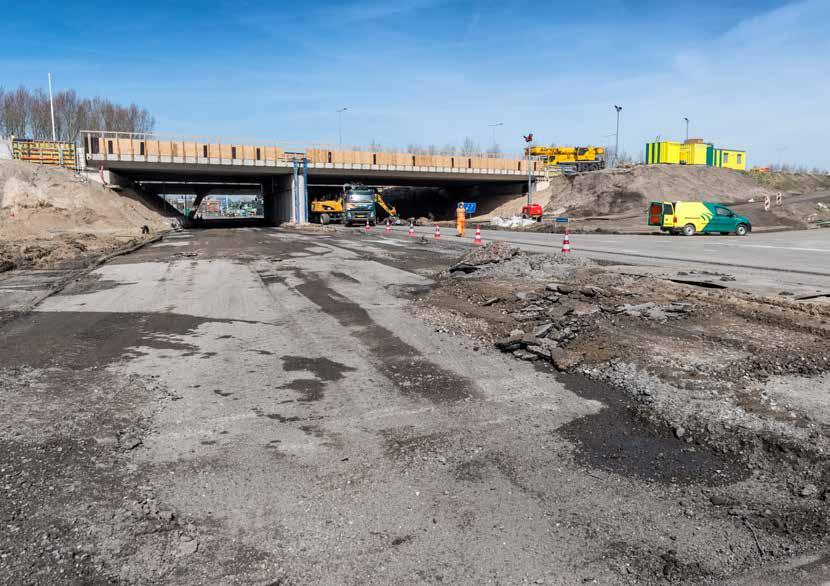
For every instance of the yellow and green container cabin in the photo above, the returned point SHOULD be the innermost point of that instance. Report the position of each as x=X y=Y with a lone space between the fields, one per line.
x=694 y=153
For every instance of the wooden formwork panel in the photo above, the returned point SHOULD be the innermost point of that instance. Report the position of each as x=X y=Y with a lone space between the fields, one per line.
x=386 y=159
x=249 y=153
x=166 y=148
x=151 y=147
x=225 y=151
x=190 y=149
x=318 y=156
x=361 y=158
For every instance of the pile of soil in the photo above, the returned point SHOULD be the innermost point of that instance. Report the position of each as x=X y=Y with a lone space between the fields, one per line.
x=50 y=216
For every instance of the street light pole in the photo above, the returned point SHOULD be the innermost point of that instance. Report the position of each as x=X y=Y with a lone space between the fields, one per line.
x=52 y=109
x=494 y=126
x=687 y=128
x=340 y=128
x=617 y=134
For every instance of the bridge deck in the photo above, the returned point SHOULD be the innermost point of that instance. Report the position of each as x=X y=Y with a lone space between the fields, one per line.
x=133 y=151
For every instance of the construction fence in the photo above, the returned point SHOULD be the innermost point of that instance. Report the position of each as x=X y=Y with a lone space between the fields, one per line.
x=41 y=152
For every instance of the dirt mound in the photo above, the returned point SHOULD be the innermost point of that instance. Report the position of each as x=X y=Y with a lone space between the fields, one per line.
x=52 y=216
x=616 y=191
x=499 y=260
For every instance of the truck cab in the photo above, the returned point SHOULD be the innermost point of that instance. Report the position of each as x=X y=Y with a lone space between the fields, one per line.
x=691 y=217
x=359 y=205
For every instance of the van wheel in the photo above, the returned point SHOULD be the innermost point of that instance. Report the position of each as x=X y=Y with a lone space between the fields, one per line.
x=689 y=230
x=741 y=230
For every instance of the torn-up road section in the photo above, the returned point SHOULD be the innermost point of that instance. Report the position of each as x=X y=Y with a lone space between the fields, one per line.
x=716 y=371
x=269 y=406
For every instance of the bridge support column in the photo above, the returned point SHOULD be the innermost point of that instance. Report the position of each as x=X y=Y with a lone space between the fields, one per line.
x=285 y=198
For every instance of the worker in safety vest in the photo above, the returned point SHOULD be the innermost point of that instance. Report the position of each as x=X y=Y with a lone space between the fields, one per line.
x=460 y=219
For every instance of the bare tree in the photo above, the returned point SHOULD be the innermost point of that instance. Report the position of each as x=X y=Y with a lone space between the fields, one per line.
x=469 y=147
x=432 y=150
x=448 y=149
x=15 y=113
x=25 y=113
x=494 y=150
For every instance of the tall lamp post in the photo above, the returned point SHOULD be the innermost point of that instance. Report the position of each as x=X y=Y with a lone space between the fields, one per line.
x=617 y=134
x=340 y=128
x=494 y=126
x=687 y=128
x=52 y=109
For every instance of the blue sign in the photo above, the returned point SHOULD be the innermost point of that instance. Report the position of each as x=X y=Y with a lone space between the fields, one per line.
x=470 y=208
x=561 y=220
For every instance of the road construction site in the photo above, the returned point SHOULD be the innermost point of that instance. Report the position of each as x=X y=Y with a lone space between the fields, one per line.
x=319 y=404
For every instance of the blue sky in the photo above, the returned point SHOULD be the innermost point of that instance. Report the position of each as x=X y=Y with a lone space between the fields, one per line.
x=749 y=74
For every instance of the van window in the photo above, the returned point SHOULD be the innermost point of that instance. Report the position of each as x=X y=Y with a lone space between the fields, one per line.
x=723 y=212
x=668 y=209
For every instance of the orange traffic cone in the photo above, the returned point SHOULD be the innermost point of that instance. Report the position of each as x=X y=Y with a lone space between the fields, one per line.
x=566 y=244
x=411 y=230
x=437 y=232
x=478 y=235
x=388 y=228
x=367 y=226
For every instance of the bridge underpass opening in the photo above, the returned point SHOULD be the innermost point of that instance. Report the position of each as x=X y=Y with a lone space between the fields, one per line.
x=433 y=202
x=204 y=203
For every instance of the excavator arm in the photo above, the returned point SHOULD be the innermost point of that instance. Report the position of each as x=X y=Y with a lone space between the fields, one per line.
x=390 y=210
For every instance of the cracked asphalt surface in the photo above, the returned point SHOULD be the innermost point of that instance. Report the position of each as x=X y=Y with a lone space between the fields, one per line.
x=264 y=406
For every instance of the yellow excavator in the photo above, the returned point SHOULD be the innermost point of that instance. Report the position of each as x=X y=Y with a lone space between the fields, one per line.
x=570 y=159
x=356 y=204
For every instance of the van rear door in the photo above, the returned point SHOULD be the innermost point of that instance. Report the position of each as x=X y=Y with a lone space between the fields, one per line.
x=655 y=214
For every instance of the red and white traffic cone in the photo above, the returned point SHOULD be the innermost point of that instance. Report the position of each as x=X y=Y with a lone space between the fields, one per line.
x=411 y=230
x=766 y=203
x=478 y=236
x=437 y=235
x=566 y=243
x=388 y=228
x=367 y=228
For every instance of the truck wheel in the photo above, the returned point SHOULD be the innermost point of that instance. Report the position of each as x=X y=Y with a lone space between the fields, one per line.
x=325 y=219
x=741 y=230
x=689 y=230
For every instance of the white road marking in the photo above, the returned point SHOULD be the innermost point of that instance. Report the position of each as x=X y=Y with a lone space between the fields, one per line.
x=771 y=246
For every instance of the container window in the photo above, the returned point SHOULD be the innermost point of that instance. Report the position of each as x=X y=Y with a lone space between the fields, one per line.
x=95 y=145
x=452 y=161
x=204 y=151
x=413 y=160
x=109 y=147
x=374 y=159
x=258 y=154
x=141 y=148
x=233 y=152
x=329 y=157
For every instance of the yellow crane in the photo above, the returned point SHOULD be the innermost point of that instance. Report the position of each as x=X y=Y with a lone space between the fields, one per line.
x=570 y=159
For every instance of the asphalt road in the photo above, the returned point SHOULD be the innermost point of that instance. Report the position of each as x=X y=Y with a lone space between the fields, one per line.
x=797 y=261
x=265 y=406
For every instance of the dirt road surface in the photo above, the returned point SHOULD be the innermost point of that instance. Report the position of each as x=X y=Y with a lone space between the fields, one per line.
x=263 y=406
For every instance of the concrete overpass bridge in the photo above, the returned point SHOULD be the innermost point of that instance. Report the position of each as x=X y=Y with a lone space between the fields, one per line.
x=284 y=173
